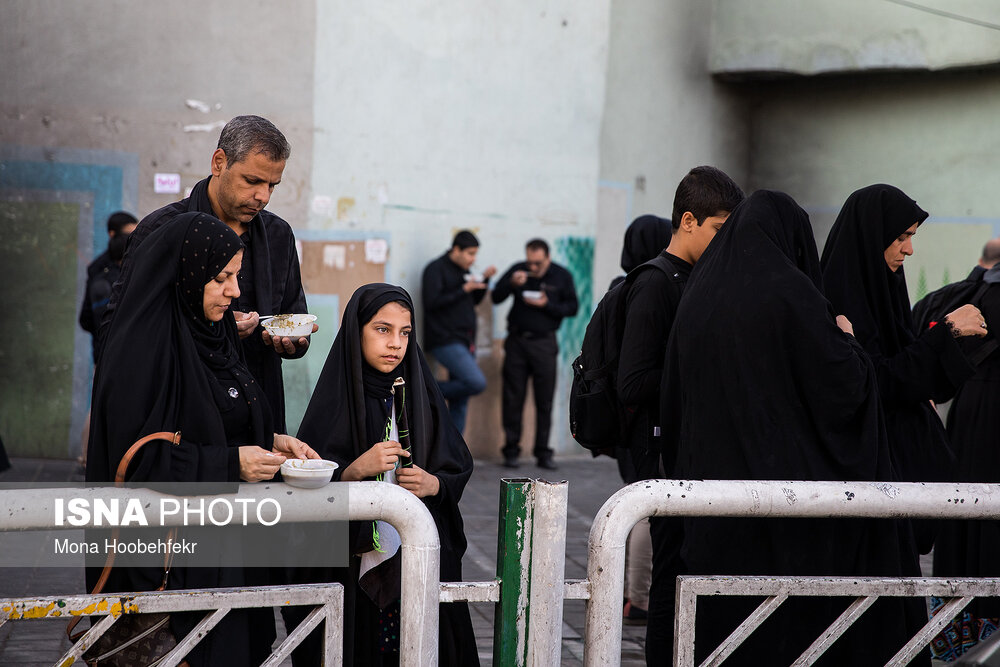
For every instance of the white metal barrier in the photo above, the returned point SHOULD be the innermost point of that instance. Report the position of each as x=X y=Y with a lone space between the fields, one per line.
x=328 y=597
x=761 y=499
x=29 y=509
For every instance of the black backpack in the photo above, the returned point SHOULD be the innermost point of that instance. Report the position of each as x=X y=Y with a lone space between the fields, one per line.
x=596 y=416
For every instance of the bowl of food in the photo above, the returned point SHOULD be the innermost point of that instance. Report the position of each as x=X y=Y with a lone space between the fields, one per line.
x=308 y=473
x=290 y=326
x=532 y=294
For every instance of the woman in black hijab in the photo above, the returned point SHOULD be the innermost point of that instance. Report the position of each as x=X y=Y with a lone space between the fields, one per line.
x=863 y=275
x=348 y=421
x=763 y=382
x=172 y=362
x=646 y=237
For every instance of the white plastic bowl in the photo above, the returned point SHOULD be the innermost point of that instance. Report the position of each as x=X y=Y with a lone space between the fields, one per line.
x=292 y=326
x=308 y=473
x=531 y=294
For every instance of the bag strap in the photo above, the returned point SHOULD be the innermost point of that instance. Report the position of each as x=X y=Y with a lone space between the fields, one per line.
x=173 y=439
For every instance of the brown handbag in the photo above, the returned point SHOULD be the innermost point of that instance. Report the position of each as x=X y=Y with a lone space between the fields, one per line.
x=134 y=640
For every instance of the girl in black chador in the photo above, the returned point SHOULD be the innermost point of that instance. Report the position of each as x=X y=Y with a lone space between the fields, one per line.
x=350 y=421
x=172 y=362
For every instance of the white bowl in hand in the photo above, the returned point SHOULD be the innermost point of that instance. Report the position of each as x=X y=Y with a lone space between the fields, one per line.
x=531 y=294
x=308 y=473
x=290 y=326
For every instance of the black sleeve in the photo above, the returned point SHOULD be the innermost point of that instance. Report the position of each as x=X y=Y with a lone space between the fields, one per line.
x=293 y=300
x=502 y=289
x=563 y=301
x=651 y=304
x=86 y=312
x=933 y=367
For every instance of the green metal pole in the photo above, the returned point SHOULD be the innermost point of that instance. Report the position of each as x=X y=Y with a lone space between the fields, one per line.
x=510 y=623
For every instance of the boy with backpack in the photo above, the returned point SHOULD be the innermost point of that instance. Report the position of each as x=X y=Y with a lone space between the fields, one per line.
x=702 y=203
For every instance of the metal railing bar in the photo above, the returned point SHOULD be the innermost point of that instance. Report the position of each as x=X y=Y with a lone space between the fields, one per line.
x=745 y=629
x=192 y=638
x=686 y=604
x=87 y=640
x=576 y=589
x=944 y=616
x=470 y=591
x=843 y=586
x=834 y=632
x=295 y=637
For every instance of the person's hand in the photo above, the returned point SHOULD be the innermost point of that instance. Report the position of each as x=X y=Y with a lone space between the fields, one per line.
x=258 y=464
x=472 y=286
x=246 y=322
x=845 y=324
x=518 y=278
x=286 y=345
x=489 y=272
x=540 y=302
x=379 y=458
x=418 y=481
x=966 y=321
x=293 y=448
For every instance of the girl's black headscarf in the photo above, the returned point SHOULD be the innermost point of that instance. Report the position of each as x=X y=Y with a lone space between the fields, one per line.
x=161 y=354
x=645 y=238
x=858 y=281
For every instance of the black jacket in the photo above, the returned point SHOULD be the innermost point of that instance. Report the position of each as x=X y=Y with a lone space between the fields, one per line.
x=449 y=311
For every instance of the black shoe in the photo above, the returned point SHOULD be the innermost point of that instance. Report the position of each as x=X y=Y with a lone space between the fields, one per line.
x=510 y=462
x=547 y=464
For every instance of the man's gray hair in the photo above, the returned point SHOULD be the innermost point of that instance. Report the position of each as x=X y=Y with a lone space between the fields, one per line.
x=252 y=134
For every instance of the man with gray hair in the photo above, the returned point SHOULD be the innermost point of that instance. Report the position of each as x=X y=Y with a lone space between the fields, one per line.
x=245 y=168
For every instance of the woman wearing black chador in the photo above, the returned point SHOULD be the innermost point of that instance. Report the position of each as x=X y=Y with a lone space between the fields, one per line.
x=172 y=362
x=351 y=419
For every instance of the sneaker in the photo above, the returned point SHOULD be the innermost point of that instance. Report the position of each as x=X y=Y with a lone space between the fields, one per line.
x=632 y=615
x=510 y=462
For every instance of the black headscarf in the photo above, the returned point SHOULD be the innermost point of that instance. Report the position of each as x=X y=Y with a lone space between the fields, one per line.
x=761 y=384
x=336 y=421
x=645 y=238
x=161 y=356
x=858 y=281
x=755 y=334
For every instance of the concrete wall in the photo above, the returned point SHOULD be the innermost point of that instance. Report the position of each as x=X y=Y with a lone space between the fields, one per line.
x=933 y=135
x=815 y=36
x=663 y=114
x=433 y=116
x=94 y=102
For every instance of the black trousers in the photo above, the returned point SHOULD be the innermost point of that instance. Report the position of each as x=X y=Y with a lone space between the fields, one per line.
x=667 y=535
x=534 y=356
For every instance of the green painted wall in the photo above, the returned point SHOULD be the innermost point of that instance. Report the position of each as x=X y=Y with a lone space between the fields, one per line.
x=38 y=255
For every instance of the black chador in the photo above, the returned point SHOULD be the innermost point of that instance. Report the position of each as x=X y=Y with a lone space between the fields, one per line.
x=763 y=385
x=912 y=369
x=165 y=367
x=346 y=416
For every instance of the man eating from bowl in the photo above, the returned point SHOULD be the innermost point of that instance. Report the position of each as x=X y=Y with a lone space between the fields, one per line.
x=245 y=168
